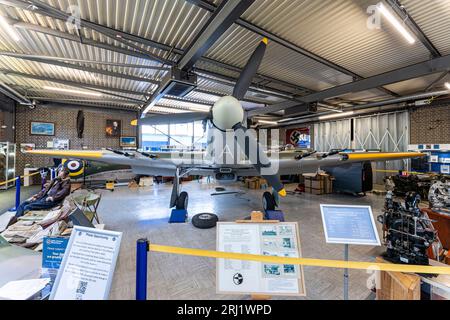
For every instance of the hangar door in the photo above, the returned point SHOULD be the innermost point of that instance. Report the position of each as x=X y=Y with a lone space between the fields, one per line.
x=387 y=132
x=332 y=135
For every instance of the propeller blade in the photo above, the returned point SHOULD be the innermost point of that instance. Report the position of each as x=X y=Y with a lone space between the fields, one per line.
x=173 y=118
x=262 y=159
x=245 y=79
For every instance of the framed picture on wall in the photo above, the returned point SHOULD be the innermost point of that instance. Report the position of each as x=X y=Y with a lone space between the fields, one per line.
x=113 y=128
x=128 y=142
x=42 y=128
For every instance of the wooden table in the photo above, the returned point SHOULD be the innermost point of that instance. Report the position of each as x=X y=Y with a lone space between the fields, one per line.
x=442 y=225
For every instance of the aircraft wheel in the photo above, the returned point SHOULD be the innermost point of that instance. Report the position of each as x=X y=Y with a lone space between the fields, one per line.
x=182 y=201
x=205 y=220
x=269 y=202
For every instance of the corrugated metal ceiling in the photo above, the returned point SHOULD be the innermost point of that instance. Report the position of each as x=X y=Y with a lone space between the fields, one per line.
x=333 y=29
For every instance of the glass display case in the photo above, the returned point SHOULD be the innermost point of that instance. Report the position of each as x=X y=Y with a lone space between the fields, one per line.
x=7 y=163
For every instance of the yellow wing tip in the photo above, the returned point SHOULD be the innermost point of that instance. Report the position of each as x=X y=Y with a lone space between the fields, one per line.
x=282 y=193
x=67 y=153
x=265 y=40
x=134 y=122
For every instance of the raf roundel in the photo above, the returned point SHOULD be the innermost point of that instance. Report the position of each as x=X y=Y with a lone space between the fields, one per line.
x=75 y=167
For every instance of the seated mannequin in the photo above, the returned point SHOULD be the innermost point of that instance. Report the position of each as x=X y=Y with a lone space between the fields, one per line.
x=50 y=196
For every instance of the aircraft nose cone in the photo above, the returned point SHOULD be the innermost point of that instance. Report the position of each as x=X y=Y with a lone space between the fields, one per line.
x=227 y=112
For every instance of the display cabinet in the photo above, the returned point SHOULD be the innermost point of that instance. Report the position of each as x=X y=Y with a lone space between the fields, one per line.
x=7 y=164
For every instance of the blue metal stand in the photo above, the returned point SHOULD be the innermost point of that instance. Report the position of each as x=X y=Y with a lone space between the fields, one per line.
x=141 y=269
x=178 y=216
x=274 y=215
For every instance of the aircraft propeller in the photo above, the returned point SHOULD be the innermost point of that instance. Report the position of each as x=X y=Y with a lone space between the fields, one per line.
x=228 y=114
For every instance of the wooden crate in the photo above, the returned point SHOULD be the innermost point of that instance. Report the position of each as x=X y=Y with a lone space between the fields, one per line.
x=397 y=285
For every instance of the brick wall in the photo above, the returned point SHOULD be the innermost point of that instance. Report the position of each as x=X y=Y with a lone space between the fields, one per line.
x=94 y=136
x=430 y=124
x=6 y=119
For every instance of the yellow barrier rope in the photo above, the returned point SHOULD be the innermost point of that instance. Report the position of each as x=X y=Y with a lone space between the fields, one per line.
x=21 y=177
x=302 y=261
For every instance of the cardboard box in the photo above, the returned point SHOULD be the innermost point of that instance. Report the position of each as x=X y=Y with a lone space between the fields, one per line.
x=313 y=191
x=146 y=182
x=318 y=183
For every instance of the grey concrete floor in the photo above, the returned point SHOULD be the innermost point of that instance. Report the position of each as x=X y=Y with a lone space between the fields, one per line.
x=144 y=213
x=8 y=197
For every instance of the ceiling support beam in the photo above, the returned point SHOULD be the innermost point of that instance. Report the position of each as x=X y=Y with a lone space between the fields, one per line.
x=13 y=94
x=84 y=61
x=219 y=22
x=222 y=18
x=68 y=82
x=437 y=65
x=45 y=9
x=82 y=68
x=413 y=26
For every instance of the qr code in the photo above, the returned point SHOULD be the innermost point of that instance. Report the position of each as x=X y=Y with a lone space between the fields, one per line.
x=82 y=286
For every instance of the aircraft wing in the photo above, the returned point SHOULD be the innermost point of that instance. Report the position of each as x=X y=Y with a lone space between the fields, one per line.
x=291 y=165
x=140 y=163
x=165 y=163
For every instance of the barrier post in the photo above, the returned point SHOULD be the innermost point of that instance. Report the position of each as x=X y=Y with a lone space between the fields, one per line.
x=18 y=184
x=17 y=195
x=142 y=246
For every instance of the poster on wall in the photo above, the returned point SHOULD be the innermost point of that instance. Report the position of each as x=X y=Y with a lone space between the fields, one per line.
x=42 y=128
x=252 y=277
x=299 y=138
x=128 y=142
x=61 y=144
x=113 y=128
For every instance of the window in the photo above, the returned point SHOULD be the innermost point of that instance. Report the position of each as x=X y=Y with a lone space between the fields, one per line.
x=177 y=136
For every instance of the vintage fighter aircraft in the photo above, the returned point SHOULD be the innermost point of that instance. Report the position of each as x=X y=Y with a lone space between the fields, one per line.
x=226 y=117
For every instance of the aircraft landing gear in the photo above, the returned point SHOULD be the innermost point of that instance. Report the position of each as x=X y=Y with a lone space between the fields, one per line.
x=182 y=201
x=269 y=202
x=178 y=200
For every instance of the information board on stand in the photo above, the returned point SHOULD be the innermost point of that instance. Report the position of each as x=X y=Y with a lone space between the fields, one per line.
x=345 y=224
x=259 y=278
x=87 y=269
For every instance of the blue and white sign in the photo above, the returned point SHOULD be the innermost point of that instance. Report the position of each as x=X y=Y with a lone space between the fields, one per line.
x=53 y=252
x=349 y=225
x=88 y=265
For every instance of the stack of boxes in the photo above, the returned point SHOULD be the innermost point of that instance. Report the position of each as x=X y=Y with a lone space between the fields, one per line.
x=318 y=183
x=256 y=183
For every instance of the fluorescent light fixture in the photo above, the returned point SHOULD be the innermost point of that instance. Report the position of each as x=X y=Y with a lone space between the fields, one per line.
x=331 y=108
x=396 y=23
x=338 y=115
x=447 y=85
x=63 y=90
x=267 y=122
x=9 y=29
